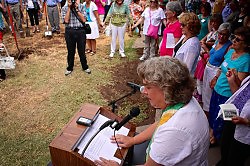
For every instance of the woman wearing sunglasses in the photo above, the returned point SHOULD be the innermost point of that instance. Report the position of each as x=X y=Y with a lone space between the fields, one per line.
x=237 y=59
x=152 y=15
x=188 y=48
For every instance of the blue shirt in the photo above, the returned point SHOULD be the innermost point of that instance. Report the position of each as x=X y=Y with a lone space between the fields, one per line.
x=87 y=10
x=241 y=64
x=12 y=1
x=226 y=12
x=217 y=56
x=52 y=2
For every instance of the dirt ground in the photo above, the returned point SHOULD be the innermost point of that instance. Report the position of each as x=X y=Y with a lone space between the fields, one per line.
x=126 y=72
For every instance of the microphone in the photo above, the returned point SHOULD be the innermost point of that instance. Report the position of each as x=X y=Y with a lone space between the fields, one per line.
x=134 y=86
x=133 y=113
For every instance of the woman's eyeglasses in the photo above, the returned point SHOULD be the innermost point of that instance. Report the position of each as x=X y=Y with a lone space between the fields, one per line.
x=237 y=39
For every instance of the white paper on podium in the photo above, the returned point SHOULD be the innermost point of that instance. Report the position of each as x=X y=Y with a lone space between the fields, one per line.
x=170 y=43
x=101 y=145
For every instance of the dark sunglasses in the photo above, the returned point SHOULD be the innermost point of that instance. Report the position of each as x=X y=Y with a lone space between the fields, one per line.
x=237 y=39
x=153 y=1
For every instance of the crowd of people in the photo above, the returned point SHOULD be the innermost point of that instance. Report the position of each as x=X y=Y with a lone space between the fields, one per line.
x=184 y=41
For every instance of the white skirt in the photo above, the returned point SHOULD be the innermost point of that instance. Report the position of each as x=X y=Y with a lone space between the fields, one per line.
x=94 y=30
x=209 y=73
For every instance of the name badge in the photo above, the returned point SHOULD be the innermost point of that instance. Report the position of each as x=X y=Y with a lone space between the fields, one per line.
x=203 y=20
x=225 y=64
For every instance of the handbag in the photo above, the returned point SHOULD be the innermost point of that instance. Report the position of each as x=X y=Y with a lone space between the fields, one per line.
x=87 y=28
x=7 y=62
x=108 y=30
x=152 y=29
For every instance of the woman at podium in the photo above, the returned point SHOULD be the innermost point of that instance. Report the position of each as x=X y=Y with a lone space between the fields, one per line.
x=181 y=136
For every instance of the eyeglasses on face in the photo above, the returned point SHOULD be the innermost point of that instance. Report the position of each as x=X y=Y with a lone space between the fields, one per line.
x=153 y=1
x=222 y=34
x=237 y=39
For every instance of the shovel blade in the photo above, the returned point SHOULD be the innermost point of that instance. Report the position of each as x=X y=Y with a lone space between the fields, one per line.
x=27 y=31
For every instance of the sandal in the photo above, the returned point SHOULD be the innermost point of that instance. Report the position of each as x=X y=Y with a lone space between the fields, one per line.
x=92 y=52
x=88 y=51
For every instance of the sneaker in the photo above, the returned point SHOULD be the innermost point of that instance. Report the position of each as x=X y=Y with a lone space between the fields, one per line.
x=122 y=55
x=67 y=72
x=142 y=58
x=88 y=71
x=111 y=55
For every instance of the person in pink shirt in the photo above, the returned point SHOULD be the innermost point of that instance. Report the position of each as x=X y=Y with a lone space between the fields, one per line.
x=172 y=32
x=100 y=5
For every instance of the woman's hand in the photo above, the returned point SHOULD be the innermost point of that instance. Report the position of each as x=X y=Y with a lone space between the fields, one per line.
x=240 y=120
x=105 y=162
x=123 y=141
x=232 y=75
x=213 y=82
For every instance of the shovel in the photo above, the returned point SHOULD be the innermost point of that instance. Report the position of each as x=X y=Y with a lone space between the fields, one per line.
x=27 y=30
x=47 y=33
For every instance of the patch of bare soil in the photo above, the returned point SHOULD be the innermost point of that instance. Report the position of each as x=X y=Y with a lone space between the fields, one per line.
x=126 y=72
x=38 y=45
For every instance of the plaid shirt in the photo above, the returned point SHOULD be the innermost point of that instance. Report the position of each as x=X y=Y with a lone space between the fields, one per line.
x=73 y=21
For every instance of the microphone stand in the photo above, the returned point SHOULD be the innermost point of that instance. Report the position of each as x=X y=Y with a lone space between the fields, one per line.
x=113 y=103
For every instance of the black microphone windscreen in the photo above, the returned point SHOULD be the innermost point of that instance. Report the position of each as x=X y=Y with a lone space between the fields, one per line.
x=135 y=111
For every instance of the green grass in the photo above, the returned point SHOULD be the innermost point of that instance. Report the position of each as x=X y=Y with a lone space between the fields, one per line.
x=37 y=100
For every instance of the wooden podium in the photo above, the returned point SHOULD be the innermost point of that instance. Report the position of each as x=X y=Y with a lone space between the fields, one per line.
x=61 y=146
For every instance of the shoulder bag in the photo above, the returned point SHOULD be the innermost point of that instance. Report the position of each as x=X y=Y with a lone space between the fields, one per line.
x=7 y=62
x=152 y=29
x=85 y=26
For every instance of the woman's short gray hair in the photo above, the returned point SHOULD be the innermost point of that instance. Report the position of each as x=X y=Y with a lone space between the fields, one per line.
x=171 y=75
x=174 y=6
x=225 y=26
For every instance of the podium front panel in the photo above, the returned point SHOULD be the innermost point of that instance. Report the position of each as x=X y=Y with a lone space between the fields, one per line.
x=61 y=146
